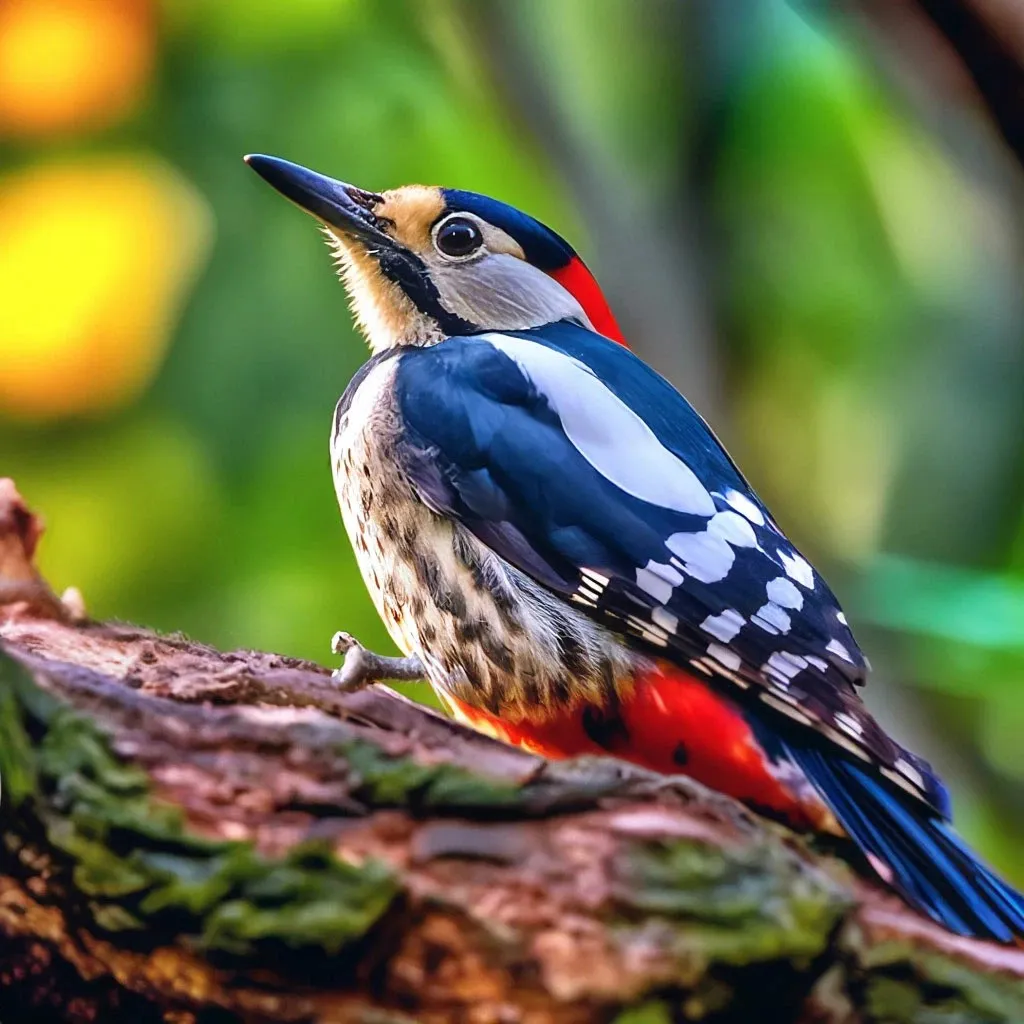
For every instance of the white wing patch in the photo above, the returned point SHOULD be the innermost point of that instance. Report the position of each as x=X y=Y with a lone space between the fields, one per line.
x=798 y=568
x=605 y=431
x=910 y=771
x=658 y=579
x=772 y=619
x=782 y=666
x=781 y=592
x=704 y=556
x=745 y=507
x=731 y=538
x=708 y=556
x=725 y=626
x=734 y=528
x=665 y=619
x=848 y=724
x=724 y=656
x=835 y=647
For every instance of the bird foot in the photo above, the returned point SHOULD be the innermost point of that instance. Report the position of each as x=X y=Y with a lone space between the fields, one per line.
x=361 y=667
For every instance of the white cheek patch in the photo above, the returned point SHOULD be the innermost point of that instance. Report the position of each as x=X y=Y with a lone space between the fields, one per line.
x=605 y=431
x=502 y=292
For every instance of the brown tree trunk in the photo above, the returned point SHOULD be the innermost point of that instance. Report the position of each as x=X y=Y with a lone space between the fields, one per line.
x=196 y=835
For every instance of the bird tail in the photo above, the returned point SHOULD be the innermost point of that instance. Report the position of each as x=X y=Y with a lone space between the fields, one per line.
x=920 y=856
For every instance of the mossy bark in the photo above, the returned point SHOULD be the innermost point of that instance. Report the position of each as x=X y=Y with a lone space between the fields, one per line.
x=187 y=834
x=177 y=841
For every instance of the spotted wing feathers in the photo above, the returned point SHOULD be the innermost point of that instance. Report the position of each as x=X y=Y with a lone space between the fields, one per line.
x=579 y=465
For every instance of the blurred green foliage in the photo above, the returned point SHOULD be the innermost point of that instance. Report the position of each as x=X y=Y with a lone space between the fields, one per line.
x=864 y=290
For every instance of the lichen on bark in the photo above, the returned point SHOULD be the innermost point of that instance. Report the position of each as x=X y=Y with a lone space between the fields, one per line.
x=186 y=832
x=139 y=867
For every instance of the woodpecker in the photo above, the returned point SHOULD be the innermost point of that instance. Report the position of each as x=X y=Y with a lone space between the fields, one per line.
x=556 y=535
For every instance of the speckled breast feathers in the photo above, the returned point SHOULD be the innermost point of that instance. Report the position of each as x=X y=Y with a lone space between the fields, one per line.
x=487 y=633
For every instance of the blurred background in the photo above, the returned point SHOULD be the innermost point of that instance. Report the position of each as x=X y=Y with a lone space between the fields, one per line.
x=803 y=214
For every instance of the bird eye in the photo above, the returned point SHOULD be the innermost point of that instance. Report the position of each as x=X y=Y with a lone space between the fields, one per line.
x=458 y=236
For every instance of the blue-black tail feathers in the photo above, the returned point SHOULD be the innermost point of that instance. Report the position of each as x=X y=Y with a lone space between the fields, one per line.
x=929 y=865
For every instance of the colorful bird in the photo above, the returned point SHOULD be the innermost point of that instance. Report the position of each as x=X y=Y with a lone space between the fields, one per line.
x=555 y=534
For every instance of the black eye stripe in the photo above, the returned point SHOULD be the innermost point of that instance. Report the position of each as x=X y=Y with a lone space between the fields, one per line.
x=411 y=275
x=458 y=236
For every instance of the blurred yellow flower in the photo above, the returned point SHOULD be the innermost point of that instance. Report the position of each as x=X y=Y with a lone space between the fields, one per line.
x=68 y=64
x=94 y=257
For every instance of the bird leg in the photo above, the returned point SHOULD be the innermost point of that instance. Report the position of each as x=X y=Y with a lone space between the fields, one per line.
x=361 y=667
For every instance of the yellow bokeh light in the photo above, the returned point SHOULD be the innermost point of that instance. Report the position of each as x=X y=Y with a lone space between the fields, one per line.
x=93 y=259
x=67 y=64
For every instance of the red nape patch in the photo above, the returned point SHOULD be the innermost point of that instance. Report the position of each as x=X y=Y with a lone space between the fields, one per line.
x=671 y=722
x=581 y=284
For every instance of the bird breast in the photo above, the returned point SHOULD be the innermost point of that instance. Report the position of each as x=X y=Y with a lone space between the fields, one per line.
x=487 y=635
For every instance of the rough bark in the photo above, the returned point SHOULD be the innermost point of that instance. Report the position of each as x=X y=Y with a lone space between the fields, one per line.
x=196 y=835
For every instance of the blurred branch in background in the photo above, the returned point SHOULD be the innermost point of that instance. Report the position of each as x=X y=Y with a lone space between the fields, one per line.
x=956 y=60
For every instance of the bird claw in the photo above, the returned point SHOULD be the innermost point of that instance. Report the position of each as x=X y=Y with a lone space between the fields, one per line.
x=361 y=667
x=342 y=643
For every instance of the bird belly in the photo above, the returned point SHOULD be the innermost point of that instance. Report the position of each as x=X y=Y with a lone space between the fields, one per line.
x=485 y=634
x=378 y=508
x=673 y=723
x=381 y=527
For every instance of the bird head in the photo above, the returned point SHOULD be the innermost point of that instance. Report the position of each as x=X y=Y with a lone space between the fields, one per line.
x=422 y=263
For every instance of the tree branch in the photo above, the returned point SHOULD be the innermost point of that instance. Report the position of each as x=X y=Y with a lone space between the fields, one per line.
x=187 y=831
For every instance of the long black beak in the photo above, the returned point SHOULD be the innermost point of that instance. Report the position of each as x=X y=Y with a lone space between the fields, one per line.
x=347 y=209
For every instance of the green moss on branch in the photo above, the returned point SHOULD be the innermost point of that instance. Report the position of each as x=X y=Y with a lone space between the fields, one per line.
x=393 y=863
x=142 y=870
